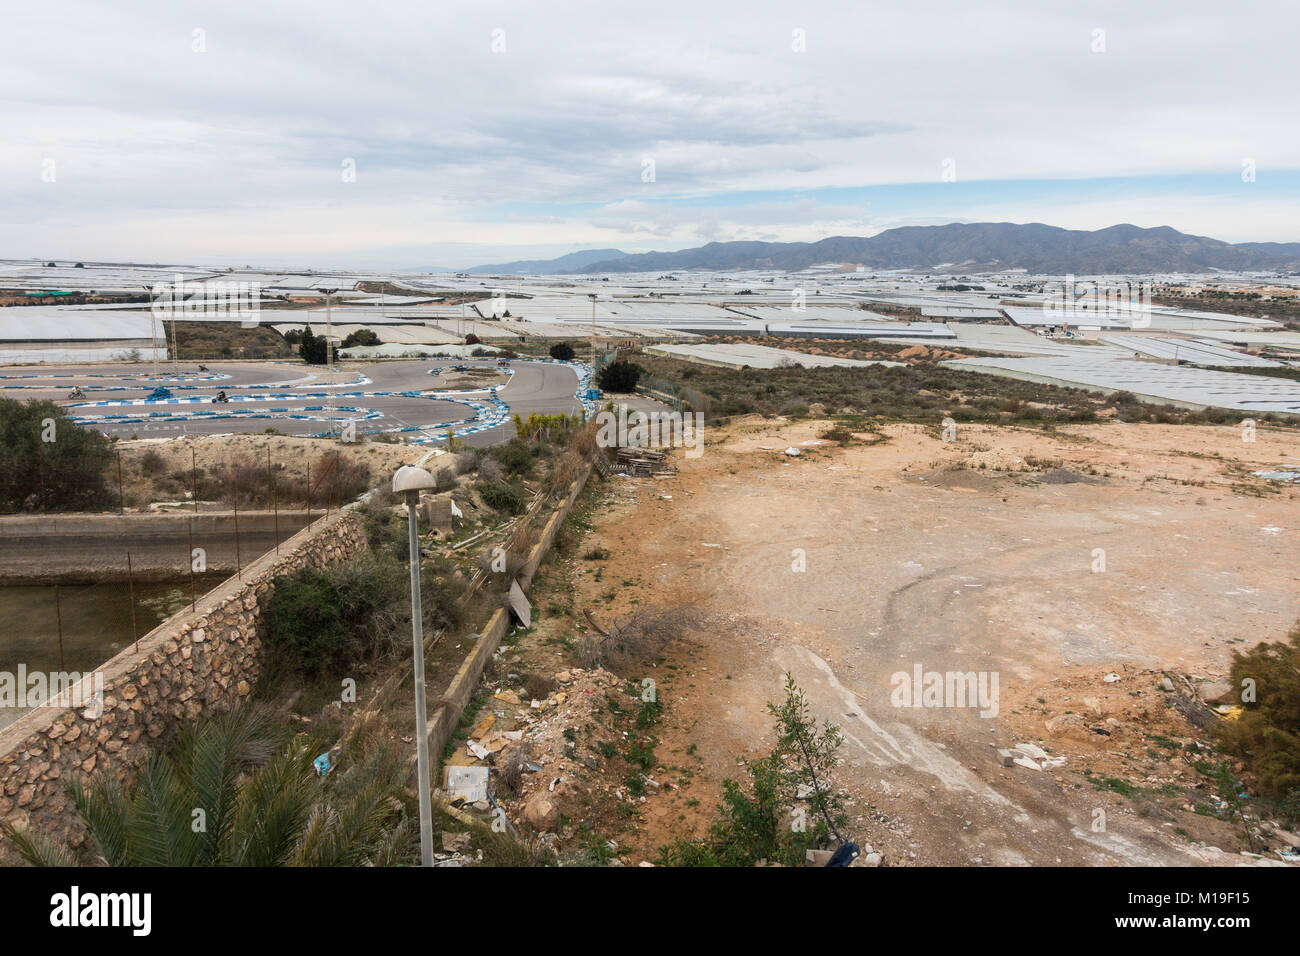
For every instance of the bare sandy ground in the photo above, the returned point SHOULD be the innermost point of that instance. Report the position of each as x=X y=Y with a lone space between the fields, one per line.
x=915 y=555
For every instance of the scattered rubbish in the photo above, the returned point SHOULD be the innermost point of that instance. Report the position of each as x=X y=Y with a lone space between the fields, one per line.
x=1026 y=762
x=322 y=764
x=792 y=452
x=1270 y=529
x=1032 y=750
x=478 y=750
x=1279 y=475
x=1111 y=677
x=519 y=604
x=1006 y=758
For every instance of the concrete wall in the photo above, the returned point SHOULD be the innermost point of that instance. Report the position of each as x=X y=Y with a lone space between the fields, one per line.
x=448 y=708
x=195 y=663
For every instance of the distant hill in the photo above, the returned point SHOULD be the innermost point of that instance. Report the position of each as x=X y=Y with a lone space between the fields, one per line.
x=573 y=262
x=962 y=248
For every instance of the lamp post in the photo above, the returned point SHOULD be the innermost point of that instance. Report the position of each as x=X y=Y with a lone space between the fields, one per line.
x=410 y=481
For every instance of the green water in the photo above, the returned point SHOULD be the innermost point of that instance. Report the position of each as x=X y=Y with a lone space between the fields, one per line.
x=96 y=624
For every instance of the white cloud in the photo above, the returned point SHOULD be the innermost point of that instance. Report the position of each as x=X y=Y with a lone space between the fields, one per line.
x=236 y=151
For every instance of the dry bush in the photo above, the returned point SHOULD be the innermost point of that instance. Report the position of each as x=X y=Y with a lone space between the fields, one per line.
x=510 y=772
x=538 y=686
x=574 y=459
x=639 y=637
x=445 y=479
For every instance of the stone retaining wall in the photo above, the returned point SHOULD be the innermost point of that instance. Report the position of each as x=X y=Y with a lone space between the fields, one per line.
x=194 y=663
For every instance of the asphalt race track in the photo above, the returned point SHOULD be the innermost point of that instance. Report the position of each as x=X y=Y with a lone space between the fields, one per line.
x=407 y=398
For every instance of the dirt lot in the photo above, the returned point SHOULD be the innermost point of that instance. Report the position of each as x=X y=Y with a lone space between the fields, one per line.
x=1078 y=565
x=148 y=480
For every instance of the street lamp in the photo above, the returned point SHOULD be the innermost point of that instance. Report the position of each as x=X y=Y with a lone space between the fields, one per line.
x=410 y=481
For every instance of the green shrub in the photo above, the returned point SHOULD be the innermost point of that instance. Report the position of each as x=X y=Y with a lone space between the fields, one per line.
x=515 y=457
x=326 y=623
x=47 y=463
x=504 y=496
x=620 y=376
x=1266 y=737
x=562 y=351
x=751 y=824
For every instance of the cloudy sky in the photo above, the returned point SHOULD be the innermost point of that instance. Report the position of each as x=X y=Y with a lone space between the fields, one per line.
x=435 y=134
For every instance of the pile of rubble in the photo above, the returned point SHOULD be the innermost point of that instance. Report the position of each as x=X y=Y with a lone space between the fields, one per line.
x=532 y=740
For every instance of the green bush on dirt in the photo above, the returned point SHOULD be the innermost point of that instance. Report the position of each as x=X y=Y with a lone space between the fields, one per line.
x=324 y=624
x=752 y=822
x=504 y=496
x=47 y=463
x=1266 y=737
x=515 y=456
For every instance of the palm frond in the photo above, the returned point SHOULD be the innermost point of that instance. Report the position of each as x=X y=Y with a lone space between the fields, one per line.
x=160 y=819
x=103 y=806
x=36 y=848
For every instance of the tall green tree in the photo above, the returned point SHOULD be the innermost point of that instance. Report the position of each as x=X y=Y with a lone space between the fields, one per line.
x=48 y=463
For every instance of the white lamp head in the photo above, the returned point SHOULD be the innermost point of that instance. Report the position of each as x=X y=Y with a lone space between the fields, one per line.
x=410 y=478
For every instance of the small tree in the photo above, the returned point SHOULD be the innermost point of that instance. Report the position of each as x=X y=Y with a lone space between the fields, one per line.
x=793 y=781
x=361 y=337
x=47 y=462
x=620 y=376
x=1267 y=734
x=312 y=347
x=562 y=351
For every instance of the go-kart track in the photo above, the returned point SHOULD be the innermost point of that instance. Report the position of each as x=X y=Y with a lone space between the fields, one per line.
x=407 y=399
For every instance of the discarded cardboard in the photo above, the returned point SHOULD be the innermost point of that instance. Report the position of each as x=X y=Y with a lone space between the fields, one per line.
x=519 y=604
x=469 y=783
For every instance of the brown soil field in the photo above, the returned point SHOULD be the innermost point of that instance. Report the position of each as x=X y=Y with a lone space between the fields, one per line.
x=1078 y=564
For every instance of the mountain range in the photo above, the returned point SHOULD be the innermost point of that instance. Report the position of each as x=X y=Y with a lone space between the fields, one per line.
x=950 y=249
